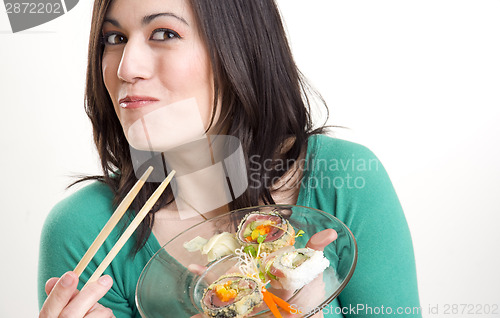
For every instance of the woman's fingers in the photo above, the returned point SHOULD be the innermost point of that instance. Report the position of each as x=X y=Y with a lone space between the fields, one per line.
x=59 y=296
x=65 y=300
x=197 y=269
x=88 y=297
x=99 y=311
x=49 y=285
x=321 y=239
x=318 y=315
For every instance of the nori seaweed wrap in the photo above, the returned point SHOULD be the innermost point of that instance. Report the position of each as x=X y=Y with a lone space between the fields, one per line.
x=232 y=296
x=272 y=229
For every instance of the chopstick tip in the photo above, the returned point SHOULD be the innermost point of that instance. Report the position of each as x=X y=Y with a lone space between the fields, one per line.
x=146 y=174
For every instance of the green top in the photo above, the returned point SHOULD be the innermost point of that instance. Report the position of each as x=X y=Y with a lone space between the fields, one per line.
x=341 y=177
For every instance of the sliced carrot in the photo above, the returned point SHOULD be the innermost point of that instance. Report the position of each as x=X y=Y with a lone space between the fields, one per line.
x=224 y=293
x=283 y=304
x=269 y=300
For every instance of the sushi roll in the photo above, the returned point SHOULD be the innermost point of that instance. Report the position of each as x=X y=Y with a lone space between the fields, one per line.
x=232 y=296
x=294 y=268
x=271 y=229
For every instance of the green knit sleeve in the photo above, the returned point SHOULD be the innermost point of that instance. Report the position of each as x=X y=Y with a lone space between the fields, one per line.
x=68 y=231
x=357 y=189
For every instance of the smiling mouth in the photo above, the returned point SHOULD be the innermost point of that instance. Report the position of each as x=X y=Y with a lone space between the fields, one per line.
x=132 y=102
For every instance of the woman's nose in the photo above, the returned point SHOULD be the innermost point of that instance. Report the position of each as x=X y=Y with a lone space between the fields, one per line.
x=136 y=62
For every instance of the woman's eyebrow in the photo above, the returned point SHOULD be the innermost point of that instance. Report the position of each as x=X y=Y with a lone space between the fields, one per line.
x=112 y=21
x=147 y=19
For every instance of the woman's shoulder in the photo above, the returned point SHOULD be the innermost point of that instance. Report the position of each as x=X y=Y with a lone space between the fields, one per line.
x=87 y=208
x=335 y=150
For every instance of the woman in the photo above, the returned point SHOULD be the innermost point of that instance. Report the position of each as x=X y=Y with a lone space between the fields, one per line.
x=212 y=68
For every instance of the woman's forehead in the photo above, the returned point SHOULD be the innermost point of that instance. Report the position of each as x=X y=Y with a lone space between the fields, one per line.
x=145 y=10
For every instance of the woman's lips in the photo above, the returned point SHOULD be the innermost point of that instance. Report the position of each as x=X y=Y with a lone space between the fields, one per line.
x=131 y=102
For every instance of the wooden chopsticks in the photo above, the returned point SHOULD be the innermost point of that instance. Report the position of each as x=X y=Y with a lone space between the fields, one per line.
x=113 y=220
x=117 y=215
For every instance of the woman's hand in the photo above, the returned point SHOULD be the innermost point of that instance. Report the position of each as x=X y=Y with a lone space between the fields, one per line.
x=64 y=299
x=321 y=239
x=318 y=242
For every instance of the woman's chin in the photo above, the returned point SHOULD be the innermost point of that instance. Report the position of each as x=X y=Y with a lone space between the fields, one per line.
x=141 y=142
x=164 y=129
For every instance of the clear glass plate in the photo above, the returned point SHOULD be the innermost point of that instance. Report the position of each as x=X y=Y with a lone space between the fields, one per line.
x=167 y=289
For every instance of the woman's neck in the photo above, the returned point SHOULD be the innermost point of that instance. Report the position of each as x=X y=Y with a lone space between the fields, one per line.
x=200 y=188
x=201 y=182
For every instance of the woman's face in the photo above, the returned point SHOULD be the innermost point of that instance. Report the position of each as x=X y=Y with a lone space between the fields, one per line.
x=157 y=72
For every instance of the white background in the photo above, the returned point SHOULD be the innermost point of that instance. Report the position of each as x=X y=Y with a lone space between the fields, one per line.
x=418 y=82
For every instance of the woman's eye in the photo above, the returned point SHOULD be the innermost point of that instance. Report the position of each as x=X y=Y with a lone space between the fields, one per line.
x=114 y=38
x=164 y=34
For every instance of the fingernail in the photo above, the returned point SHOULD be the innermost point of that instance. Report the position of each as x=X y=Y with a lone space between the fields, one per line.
x=67 y=280
x=105 y=280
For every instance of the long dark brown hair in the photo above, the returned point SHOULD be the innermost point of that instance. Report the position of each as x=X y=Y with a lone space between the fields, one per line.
x=265 y=102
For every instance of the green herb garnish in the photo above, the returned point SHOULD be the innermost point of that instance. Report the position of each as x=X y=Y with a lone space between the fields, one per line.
x=271 y=275
x=250 y=250
x=300 y=233
x=262 y=276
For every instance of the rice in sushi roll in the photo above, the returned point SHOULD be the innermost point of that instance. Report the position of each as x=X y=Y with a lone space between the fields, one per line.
x=294 y=268
x=232 y=296
x=274 y=231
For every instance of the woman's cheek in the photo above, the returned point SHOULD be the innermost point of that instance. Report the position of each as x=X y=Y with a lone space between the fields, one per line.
x=189 y=78
x=109 y=74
